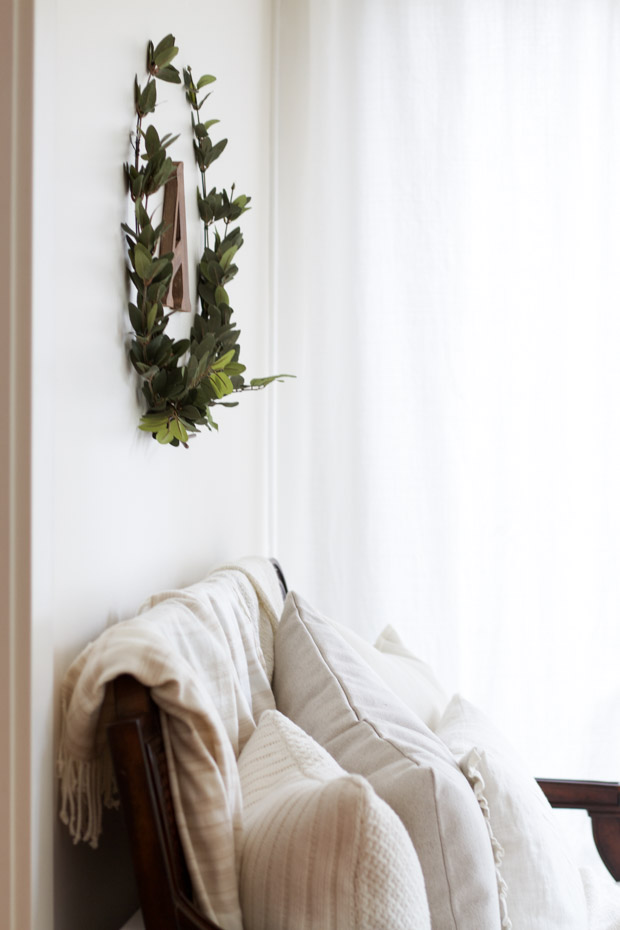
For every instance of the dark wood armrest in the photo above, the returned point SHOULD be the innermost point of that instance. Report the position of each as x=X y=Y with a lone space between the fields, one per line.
x=138 y=755
x=139 y=759
x=601 y=799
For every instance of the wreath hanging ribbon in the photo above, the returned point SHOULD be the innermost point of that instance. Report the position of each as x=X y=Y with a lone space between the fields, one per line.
x=182 y=379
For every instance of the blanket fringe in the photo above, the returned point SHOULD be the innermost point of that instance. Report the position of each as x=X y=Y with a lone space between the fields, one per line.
x=470 y=766
x=85 y=788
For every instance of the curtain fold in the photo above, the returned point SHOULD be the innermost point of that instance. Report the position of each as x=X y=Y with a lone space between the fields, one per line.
x=448 y=254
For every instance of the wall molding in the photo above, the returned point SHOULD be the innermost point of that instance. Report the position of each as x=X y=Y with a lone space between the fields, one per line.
x=16 y=108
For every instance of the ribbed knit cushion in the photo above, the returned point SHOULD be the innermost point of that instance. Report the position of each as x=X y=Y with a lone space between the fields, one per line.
x=321 y=851
x=324 y=686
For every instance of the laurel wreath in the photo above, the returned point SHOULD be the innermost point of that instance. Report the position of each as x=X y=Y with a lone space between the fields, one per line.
x=182 y=380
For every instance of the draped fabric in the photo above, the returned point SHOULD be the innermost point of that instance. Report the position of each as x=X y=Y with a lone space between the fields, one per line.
x=448 y=284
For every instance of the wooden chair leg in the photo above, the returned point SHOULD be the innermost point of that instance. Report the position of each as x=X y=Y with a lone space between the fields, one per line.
x=606 y=831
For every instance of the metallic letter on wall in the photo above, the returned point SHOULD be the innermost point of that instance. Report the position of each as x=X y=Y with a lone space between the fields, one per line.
x=174 y=239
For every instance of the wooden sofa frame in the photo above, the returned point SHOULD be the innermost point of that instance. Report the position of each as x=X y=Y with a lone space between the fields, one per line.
x=163 y=881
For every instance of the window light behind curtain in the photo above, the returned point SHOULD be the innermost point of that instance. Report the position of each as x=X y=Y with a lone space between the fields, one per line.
x=448 y=258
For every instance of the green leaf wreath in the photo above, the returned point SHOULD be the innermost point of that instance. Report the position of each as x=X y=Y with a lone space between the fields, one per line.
x=182 y=379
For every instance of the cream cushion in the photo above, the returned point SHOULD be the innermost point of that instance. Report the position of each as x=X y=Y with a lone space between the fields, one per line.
x=412 y=679
x=409 y=677
x=320 y=850
x=544 y=887
x=324 y=686
x=602 y=897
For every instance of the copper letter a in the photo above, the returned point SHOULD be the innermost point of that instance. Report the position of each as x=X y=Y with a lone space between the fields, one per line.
x=174 y=239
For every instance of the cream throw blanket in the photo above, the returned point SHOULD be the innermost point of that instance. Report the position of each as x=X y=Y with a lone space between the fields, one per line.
x=199 y=650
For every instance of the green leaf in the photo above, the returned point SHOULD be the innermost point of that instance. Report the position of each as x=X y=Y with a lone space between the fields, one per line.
x=141 y=214
x=137 y=185
x=216 y=151
x=191 y=369
x=142 y=261
x=221 y=297
x=203 y=101
x=151 y=317
x=164 y=174
x=211 y=424
x=212 y=272
x=169 y=74
x=135 y=318
x=204 y=80
x=167 y=42
x=235 y=368
x=159 y=383
x=165 y=56
x=162 y=265
x=164 y=436
x=262 y=382
x=181 y=347
x=151 y=422
x=178 y=430
x=151 y=140
x=190 y=412
x=203 y=364
x=221 y=383
x=168 y=139
x=223 y=360
x=148 y=98
x=228 y=256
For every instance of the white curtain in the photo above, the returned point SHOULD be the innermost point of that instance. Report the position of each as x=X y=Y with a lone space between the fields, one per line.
x=448 y=258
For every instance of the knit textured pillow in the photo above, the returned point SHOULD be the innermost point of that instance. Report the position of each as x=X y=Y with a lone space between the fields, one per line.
x=320 y=850
x=325 y=687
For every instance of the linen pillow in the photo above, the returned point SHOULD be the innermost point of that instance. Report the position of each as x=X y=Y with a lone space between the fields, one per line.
x=544 y=887
x=320 y=849
x=602 y=895
x=321 y=684
x=412 y=679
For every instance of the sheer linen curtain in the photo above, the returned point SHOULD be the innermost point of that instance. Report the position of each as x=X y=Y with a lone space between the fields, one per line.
x=448 y=295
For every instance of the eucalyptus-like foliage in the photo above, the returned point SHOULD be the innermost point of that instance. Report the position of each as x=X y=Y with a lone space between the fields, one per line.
x=182 y=379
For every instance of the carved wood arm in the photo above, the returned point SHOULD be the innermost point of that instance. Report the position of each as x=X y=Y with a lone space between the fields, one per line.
x=137 y=748
x=601 y=799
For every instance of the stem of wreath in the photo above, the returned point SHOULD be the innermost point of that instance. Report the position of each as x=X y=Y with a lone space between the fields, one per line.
x=232 y=194
x=204 y=196
x=137 y=146
x=137 y=149
x=146 y=283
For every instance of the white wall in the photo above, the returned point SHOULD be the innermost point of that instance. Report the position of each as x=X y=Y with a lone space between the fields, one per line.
x=116 y=516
